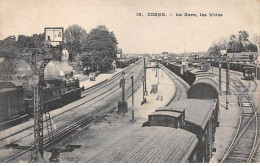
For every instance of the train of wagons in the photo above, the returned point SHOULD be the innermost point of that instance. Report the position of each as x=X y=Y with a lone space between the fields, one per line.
x=16 y=104
x=122 y=63
x=249 y=70
x=183 y=131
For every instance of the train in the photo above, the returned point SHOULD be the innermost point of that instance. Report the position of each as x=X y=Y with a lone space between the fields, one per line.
x=200 y=119
x=122 y=63
x=16 y=103
x=248 y=70
x=182 y=131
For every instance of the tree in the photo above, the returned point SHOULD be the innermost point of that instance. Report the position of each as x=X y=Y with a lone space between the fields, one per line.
x=235 y=44
x=74 y=37
x=99 y=49
x=8 y=52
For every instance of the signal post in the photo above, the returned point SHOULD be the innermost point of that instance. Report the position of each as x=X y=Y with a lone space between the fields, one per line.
x=53 y=39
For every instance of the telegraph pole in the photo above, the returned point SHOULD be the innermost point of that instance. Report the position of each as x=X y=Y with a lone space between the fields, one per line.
x=162 y=70
x=144 y=99
x=258 y=51
x=219 y=68
x=133 y=114
x=122 y=105
x=211 y=65
x=158 y=72
x=145 y=78
x=123 y=86
x=132 y=79
x=227 y=84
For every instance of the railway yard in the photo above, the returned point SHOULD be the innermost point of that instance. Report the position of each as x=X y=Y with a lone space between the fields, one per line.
x=211 y=125
x=140 y=82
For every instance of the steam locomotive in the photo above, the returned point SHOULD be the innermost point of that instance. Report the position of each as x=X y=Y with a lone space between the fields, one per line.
x=16 y=104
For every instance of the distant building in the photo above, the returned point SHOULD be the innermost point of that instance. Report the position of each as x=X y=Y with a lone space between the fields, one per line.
x=243 y=56
x=65 y=55
x=119 y=53
x=195 y=55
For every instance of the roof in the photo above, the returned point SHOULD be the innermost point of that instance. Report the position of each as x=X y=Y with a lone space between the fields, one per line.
x=12 y=83
x=122 y=60
x=169 y=108
x=205 y=81
x=7 y=90
x=52 y=78
x=149 y=145
x=166 y=113
x=197 y=71
x=196 y=111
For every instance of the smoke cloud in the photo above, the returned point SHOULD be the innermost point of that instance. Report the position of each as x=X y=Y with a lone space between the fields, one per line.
x=57 y=69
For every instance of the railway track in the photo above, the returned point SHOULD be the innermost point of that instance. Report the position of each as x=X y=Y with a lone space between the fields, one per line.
x=100 y=96
x=94 y=90
x=100 y=86
x=245 y=142
x=180 y=86
x=80 y=123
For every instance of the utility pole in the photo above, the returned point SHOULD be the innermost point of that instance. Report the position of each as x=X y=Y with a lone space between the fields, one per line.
x=162 y=70
x=132 y=79
x=222 y=53
x=92 y=63
x=122 y=105
x=227 y=84
x=123 y=86
x=133 y=114
x=144 y=99
x=219 y=68
x=158 y=72
x=145 y=78
x=211 y=65
x=258 y=51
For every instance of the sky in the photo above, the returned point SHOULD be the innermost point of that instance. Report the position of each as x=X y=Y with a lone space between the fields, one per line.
x=137 y=34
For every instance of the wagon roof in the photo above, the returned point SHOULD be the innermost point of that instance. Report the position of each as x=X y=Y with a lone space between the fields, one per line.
x=122 y=60
x=16 y=83
x=196 y=111
x=212 y=81
x=170 y=108
x=149 y=145
x=197 y=71
x=7 y=90
x=166 y=113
